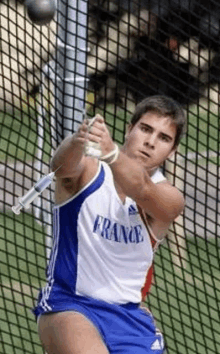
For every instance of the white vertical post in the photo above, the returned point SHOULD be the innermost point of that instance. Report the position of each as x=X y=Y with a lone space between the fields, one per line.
x=175 y=174
x=70 y=65
x=68 y=74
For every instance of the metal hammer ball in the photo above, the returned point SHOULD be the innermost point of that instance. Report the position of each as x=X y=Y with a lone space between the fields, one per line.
x=41 y=12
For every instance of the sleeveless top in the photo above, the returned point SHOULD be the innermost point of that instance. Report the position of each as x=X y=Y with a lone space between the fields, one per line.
x=101 y=246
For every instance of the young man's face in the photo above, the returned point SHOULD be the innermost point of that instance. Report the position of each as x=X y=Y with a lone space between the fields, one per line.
x=151 y=140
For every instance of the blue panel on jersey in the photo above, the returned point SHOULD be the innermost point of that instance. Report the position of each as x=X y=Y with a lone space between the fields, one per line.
x=63 y=264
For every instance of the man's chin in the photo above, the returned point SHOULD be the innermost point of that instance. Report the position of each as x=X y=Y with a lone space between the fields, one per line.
x=147 y=166
x=151 y=169
x=145 y=163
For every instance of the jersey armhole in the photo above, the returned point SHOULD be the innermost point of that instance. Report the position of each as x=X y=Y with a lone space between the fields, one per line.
x=154 y=241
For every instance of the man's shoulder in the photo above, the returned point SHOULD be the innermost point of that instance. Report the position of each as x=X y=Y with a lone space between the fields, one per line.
x=67 y=187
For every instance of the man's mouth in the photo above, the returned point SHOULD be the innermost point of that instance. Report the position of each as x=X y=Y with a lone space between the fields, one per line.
x=145 y=153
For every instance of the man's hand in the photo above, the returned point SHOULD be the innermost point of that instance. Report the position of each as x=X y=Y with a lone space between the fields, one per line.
x=97 y=133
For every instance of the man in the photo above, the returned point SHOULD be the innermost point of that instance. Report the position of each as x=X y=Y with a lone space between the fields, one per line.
x=108 y=218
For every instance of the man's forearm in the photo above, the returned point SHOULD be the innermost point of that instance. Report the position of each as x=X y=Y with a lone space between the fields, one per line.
x=130 y=176
x=162 y=201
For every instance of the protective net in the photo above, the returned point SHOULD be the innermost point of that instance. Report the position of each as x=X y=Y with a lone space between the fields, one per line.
x=110 y=55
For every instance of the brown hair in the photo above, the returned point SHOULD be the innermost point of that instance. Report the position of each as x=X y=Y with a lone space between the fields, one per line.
x=165 y=107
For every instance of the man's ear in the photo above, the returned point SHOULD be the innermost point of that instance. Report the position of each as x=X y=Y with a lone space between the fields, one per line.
x=128 y=130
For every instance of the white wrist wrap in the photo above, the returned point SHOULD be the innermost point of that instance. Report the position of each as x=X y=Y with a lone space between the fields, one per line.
x=112 y=156
x=91 y=148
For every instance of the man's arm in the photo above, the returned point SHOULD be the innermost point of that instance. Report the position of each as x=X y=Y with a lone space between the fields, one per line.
x=162 y=202
x=68 y=158
x=75 y=169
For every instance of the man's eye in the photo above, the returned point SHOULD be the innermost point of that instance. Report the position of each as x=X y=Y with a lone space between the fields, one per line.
x=145 y=129
x=165 y=138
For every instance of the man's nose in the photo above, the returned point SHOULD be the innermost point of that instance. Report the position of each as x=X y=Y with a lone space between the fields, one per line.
x=151 y=141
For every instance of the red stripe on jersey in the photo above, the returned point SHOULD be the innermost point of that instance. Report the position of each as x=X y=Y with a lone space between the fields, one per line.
x=150 y=274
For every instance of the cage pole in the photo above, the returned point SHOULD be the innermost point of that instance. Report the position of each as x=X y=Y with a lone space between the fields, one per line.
x=70 y=65
x=68 y=74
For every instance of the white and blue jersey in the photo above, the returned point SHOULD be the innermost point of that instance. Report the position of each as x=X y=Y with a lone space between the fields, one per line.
x=101 y=247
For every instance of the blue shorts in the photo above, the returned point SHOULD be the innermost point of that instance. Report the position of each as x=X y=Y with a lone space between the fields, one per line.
x=125 y=329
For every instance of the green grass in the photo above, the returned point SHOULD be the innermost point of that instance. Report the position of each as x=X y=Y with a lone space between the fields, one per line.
x=19 y=137
x=203 y=131
x=22 y=259
x=184 y=301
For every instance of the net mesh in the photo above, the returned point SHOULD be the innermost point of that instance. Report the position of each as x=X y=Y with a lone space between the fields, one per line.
x=136 y=48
